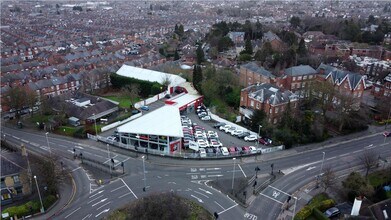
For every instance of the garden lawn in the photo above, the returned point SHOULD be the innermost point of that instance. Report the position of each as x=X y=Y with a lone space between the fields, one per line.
x=378 y=178
x=124 y=101
x=65 y=130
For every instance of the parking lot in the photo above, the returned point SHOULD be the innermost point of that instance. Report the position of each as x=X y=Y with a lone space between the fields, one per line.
x=226 y=139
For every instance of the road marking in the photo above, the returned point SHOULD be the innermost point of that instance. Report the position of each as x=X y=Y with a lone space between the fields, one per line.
x=250 y=216
x=34 y=144
x=310 y=168
x=159 y=177
x=96 y=194
x=300 y=177
x=271 y=198
x=128 y=188
x=103 y=205
x=242 y=171
x=102 y=200
x=199 y=200
x=213 y=172
x=124 y=195
x=16 y=137
x=72 y=212
x=202 y=194
x=227 y=209
x=191 y=173
x=279 y=190
x=331 y=158
x=87 y=216
x=205 y=191
x=357 y=151
x=213 y=168
x=95 y=199
x=215 y=175
x=369 y=147
x=76 y=169
x=193 y=169
x=106 y=210
x=117 y=189
x=219 y=205
x=25 y=141
x=171 y=183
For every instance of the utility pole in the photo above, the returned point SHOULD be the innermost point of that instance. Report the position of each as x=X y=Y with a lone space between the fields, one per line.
x=233 y=175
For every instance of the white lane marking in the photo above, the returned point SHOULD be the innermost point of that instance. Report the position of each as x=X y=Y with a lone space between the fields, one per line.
x=332 y=158
x=70 y=151
x=192 y=173
x=199 y=200
x=117 y=188
x=242 y=171
x=227 y=209
x=215 y=175
x=357 y=151
x=278 y=190
x=72 y=212
x=76 y=169
x=206 y=191
x=95 y=199
x=271 y=198
x=87 y=216
x=343 y=155
x=369 y=147
x=124 y=195
x=202 y=194
x=25 y=141
x=128 y=188
x=34 y=144
x=102 y=200
x=213 y=172
x=310 y=168
x=16 y=137
x=96 y=194
x=103 y=205
x=213 y=168
x=219 y=205
x=298 y=178
x=106 y=210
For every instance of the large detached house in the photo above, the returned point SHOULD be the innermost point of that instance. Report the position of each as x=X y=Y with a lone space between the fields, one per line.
x=251 y=73
x=267 y=97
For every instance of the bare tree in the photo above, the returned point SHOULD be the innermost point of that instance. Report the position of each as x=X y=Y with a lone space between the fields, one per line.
x=19 y=97
x=346 y=105
x=328 y=178
x=369 y=160
x=132 y=91
x=166 y=80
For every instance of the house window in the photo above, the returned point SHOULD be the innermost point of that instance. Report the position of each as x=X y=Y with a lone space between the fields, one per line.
x=275 y=121
x=16 y=179
x=276 y=110
x=270 y=110
x=241 y=98
x=304 y=77
x=299 y=78
x=252 y=103
x=294 y=78
x=5 y=196
x=310 y=76
x=257 y=105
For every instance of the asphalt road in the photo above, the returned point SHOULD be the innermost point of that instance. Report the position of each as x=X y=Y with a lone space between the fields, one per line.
x=188 y=178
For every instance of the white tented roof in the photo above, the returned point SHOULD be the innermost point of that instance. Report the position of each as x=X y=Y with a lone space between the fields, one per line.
x=184 y=99
x=149 y=75
x=164 y=121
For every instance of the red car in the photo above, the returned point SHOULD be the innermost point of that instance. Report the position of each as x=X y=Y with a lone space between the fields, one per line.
x=246 y=149
x=387 y=134
x=232 y=150
x=262 y=141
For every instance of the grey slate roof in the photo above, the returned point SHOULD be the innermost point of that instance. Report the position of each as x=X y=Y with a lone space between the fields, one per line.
x=44 y=83
x=327 y=68
x=300 y=70
x=269 y=36
x=257 y=69
x=268 y=93
x=339 y=75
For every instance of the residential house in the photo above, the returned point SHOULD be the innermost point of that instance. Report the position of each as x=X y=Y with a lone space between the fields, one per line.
x=274 y=40
x=382 y=87
x=269 y=98
x=296 y=78
x=15 y=179
x=251 y=73
x=236 y=37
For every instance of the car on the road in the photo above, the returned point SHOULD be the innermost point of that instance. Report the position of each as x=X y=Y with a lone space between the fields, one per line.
x=332 y=212
x=145 y=108
x=251 y=137
x=224 y=151
x=202 y=152
x=219 y=124
x=253 y=150
x=387 y=134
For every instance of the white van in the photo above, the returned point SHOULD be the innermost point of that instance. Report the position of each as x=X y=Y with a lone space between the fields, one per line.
x=224 y=151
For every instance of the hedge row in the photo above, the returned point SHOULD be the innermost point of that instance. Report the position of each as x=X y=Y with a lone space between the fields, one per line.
x=322 y=206
x=146 y=88
x=30 y=208
x=319 y=215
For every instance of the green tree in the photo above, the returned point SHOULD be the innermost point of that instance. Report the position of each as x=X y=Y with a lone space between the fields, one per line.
x=258 y=118
x=245 y=57
x=197 y=77
x=200 y=54
x=266 y=51
x=295 y=21
x=248 y=47
x=302 y=50
x=357 y=185
x=176 y=55
x=224 y=44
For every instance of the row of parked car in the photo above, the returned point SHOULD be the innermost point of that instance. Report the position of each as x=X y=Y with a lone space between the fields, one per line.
x=203 y=113
x=229 y=129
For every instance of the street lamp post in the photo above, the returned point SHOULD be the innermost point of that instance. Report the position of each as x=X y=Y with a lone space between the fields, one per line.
x=47 y=140
x=321 y=166
x=259 y=134
x=294 y=208
x=256 y=171
x=96 y=130
x=233 y=175
x=39 y=193
x=145 y=183
x=108 y=155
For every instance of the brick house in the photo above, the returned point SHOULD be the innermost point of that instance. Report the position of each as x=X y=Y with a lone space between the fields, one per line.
x=274 y=40
x=296 y=78
x=251 y=73
x=267 y=97
x=382 y=88
x=236 y=37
